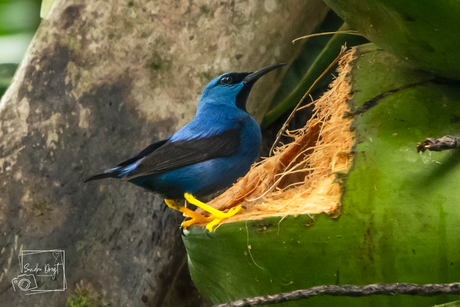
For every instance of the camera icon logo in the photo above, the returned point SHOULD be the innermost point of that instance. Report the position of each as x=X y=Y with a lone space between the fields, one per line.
x=24 y=282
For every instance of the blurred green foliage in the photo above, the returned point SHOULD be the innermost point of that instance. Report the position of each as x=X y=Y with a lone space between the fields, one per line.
x=19 y=19
x=316 y=55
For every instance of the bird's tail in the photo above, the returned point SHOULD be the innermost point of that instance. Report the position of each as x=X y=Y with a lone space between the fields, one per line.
x=113 y=173
x=118 y=172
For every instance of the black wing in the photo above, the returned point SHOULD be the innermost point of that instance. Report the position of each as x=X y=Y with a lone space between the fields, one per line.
x=178 y=154
x=148 y=150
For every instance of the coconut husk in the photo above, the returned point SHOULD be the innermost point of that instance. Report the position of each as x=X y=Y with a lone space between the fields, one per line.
x=304 y=176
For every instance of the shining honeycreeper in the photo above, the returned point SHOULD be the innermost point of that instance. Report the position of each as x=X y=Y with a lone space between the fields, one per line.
x=207 y=155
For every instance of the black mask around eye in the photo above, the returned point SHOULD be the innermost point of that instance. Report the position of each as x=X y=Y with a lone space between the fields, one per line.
x=232 y=78
x=226 y=80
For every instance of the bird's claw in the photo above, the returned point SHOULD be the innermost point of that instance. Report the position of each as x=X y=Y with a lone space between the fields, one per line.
x=222 y=216
x=215 y=219
x=217 y=216
x=196 y=219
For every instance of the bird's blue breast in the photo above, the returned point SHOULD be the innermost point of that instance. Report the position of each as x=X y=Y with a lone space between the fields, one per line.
x=213 y=175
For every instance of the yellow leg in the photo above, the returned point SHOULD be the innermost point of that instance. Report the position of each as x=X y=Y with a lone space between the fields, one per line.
x=196 y=217
x=172 y=204
x=216 y=216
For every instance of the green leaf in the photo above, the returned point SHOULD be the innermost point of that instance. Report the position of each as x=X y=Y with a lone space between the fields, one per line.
x=18 y=16
x=424 y=33
x=451 y=304
x=399 y=214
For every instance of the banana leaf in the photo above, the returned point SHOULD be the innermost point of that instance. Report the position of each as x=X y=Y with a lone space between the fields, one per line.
x=397 y=217
x=423 y=33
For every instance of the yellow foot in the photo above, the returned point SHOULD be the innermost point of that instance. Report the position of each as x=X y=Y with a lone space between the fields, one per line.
x=196 y=218
x=216 y=216
x=194 y=221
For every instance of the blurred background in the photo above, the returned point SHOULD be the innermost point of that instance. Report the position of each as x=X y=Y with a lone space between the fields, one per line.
x=19 y=19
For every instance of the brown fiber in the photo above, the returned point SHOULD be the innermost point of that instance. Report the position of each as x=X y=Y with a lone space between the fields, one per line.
x=301 y=177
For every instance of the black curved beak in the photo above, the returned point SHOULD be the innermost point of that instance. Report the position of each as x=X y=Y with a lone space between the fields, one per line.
x=254 y=76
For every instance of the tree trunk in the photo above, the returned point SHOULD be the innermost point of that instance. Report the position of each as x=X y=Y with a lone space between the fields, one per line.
x=100 y=81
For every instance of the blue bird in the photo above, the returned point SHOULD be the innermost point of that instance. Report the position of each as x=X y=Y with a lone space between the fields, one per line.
x=207 y=155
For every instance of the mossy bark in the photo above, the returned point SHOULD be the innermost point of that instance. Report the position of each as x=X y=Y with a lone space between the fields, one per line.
x=100 y=81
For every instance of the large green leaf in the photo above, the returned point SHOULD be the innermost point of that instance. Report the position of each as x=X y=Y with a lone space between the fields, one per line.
x=422 y=32
x=400 y=212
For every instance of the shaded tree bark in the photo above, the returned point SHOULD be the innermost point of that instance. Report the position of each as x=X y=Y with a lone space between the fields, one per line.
x=100 y=81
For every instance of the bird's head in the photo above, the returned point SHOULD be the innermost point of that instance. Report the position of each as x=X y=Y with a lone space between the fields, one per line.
x=233 y=88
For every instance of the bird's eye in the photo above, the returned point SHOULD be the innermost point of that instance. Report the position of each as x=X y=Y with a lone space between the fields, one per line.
x=226 y=80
